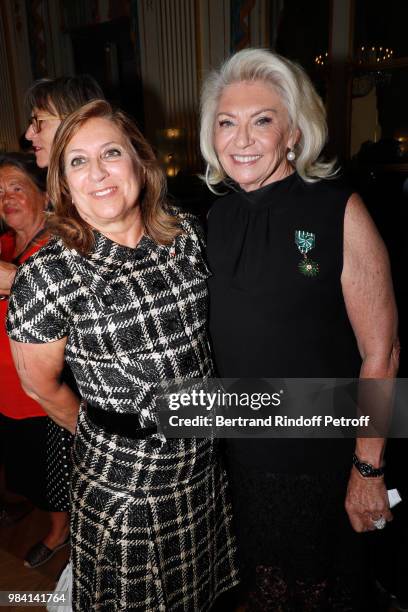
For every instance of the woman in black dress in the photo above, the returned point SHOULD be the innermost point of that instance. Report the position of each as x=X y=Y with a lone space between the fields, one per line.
x=300 y=288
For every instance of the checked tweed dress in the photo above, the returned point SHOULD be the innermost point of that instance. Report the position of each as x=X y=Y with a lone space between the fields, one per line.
x=151 y=521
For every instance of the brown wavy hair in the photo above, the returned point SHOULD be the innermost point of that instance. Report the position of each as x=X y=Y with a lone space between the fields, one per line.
x=159 y=223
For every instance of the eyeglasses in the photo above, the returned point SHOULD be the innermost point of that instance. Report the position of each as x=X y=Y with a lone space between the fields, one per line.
x=36 y=120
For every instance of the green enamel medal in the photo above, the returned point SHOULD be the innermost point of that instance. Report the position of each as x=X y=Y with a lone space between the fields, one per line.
x=305 y=242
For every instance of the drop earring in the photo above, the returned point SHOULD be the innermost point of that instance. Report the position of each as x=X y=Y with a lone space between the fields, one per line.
x=291 y=155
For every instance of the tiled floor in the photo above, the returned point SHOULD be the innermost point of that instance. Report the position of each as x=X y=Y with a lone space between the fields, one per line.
x=15 y=541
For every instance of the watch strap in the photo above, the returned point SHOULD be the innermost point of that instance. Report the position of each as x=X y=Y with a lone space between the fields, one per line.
x=366 y=469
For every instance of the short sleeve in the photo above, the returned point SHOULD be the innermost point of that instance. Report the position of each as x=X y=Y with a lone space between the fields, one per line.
x=194 y=230
x=35 y=314
x=194 y=244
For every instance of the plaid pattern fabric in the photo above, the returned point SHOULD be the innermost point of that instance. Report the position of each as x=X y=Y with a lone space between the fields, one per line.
x=132 y=316
x=151 y=523
x=151 y=527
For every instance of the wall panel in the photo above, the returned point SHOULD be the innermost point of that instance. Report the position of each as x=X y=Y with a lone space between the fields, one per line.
x=8 y=124
x=169 y=70
x=15 y=72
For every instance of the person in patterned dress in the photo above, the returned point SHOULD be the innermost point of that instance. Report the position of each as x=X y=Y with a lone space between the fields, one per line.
x=120 y=293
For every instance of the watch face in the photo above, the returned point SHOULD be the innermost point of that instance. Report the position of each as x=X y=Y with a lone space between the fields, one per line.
x=365 y=469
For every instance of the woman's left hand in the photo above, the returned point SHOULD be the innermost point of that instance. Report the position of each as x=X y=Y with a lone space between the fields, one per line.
x=369 y=299
x=366 y=501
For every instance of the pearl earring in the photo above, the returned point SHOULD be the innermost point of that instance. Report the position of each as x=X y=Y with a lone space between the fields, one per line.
x=291 y=155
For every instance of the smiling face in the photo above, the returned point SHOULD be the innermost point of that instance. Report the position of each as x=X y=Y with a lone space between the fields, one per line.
x=42 y=140
x=252 y=134
x=22 y=204
x=101 y=176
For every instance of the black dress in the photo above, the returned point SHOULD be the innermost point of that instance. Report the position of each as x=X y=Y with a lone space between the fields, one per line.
x=267 y=319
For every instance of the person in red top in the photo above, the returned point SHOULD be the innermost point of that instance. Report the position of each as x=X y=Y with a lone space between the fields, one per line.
x=22 y=206
x=49 y=102
x=25 y=430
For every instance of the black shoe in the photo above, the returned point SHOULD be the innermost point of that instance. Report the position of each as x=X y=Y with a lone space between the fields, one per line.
x=40 y=554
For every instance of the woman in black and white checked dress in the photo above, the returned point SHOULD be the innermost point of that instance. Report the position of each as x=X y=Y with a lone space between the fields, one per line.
x=121 y=293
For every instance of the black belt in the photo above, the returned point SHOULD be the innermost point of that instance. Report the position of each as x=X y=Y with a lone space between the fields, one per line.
x=127 y=425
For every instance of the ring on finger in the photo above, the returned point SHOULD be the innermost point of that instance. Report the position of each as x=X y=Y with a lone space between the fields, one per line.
x=379 y=523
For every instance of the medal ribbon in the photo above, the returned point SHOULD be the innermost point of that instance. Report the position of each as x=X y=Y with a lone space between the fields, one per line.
x=305 y=241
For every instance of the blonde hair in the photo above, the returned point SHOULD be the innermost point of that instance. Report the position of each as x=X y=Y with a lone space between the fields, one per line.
x=65 y=221
x=304 y=106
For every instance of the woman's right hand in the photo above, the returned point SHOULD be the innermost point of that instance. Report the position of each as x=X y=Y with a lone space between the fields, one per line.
x=7 y=274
